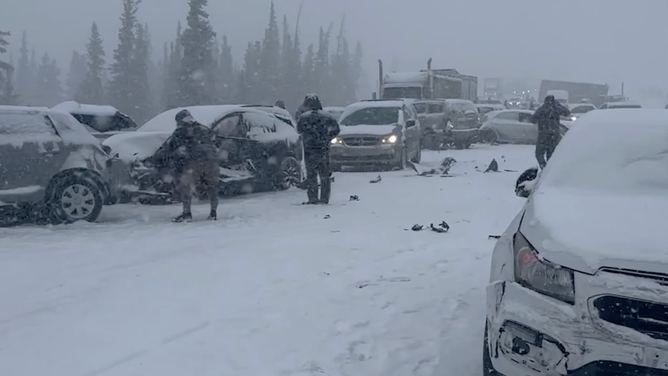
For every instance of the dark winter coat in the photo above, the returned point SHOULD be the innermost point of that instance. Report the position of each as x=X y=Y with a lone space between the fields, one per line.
x=191 y=143
x=547 y=117
x=318 y=128
x=302 y=108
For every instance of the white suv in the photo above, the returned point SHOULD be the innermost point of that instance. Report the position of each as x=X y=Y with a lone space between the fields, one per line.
x=579 y=280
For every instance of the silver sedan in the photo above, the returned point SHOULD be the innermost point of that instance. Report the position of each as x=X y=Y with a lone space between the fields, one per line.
x=510 y=126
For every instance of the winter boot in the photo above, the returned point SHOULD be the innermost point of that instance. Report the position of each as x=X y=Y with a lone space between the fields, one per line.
x=185 y=217
x=212 y=216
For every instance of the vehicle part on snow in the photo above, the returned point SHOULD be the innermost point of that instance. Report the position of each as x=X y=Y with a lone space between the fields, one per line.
x=494 y=237
x=327 y=216
x=376 y=180
x=493 y=166
x=417 y=227
x=354 y=198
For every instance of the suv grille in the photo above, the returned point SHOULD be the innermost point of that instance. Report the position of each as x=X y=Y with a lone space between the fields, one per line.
x=645 y=317
x=602 y=368
x=361 y=141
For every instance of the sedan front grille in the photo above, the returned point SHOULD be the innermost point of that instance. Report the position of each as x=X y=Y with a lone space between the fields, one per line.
x=604 y=368
x=645 y=317
x=361 y=141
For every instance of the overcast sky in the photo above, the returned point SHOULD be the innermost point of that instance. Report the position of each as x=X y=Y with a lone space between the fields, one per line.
x=603 y=41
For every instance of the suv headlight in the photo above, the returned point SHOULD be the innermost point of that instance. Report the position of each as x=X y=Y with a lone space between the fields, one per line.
x=337 y=141
x=540 y=275
x=391 y=139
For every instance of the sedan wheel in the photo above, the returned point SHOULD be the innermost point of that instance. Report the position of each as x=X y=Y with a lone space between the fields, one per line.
x=289 y=174
x=75 y=199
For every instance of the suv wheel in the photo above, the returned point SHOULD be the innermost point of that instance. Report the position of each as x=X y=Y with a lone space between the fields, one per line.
x=464 y=144
x=289 y=174
x=75 y=199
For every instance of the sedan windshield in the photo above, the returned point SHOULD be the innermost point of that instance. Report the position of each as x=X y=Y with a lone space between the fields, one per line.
x=373 y=116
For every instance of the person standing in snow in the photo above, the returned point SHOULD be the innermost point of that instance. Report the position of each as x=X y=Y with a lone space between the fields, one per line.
x=192 y=146
x=547 y=118
x=318 y=129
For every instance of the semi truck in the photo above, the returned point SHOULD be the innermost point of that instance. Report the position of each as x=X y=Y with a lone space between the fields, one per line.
x=492 y=87
x=426 y=84
x=575 y=91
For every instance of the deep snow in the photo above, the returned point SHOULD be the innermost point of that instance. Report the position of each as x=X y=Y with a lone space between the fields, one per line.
x=272 y=288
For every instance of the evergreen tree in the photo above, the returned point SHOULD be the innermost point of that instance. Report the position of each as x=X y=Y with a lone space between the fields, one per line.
x=91 y=90
x=141 y=93
x=121 y=86
x=225 y=70
x=356 y=68
x=171 y=84
x=196 y=82
x=8 y=95
x=340 y=72
x=76 y=74
x=154 y=75
x=321 y=66
x=308 y=71
x=25 y=76
x=269 y=60
x=251 y=88
x=49 y=88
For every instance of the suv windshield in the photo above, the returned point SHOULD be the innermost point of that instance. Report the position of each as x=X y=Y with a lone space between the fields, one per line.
x=373 y=116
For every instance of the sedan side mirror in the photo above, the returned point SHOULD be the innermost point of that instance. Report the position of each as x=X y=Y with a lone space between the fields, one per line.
x=410 y=123
x=525 y=183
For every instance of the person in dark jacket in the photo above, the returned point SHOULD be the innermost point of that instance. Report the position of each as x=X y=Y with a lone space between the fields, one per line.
x=547 y=118
x=303 y=107
x=318 y=129
x=192 y=145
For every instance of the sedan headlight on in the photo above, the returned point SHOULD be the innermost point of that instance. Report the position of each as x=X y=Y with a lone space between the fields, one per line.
x=540 y=275
x=391 y=139
x=337 y=141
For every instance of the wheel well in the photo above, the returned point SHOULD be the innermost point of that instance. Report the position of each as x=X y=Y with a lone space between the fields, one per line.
x=86 y=173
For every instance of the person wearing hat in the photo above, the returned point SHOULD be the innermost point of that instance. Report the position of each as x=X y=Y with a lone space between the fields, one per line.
x=547 y=118
x=192 y=146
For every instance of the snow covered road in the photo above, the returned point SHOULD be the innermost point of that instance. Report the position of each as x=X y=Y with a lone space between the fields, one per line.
x=272 y=287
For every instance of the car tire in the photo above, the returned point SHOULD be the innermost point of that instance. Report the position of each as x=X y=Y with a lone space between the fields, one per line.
x=418 y=155
x=289 y=174
x=487 y=366
x=75 y=198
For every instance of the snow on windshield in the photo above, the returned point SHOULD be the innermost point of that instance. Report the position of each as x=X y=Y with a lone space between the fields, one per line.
x=19 y=128
x=268 y=128
x=71 y=130
x=372 y=116
x=622 y=151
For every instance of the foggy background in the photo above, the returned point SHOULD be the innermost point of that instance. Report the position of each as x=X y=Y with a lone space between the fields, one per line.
x=600 y=41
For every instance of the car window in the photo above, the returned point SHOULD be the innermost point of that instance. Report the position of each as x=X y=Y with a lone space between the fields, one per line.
x=508 y=116
x=524 y=117
x=18 y=128
x=258 y=123
x=230 y=126
x=484 y=110
x=436 y=108
x=420 y=107
x=407 y=115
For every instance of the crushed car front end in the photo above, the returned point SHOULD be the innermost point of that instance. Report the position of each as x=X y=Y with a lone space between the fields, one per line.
x=547 y=319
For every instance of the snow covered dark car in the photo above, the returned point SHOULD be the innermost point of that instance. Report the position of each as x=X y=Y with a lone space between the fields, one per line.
x=101 y=121
x=51 y=168
x=578 y=281
x=258 y=151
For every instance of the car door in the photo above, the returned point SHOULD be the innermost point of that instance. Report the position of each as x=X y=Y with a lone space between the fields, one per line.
x=412 y=132
x=527 y=130
x=507 y=126
x=230 y=131
x=28 y=144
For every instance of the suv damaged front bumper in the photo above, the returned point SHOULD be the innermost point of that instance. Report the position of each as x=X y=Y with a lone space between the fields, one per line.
x=532 y=334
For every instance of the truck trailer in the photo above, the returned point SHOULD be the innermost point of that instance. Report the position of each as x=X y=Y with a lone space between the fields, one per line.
x=427 y=84
x=576 y=91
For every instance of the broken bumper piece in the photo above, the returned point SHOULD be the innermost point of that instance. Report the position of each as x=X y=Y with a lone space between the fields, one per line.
x=531 y=335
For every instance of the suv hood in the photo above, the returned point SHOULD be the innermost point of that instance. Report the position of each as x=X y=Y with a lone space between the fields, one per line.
x=136 y=145
x=587 y=231
x=376 y=130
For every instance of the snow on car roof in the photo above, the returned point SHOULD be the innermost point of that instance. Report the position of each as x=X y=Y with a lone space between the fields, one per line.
x=206 y=115
x=623 y=104
x=85 y=109
x=575 y=105
x=333 y=108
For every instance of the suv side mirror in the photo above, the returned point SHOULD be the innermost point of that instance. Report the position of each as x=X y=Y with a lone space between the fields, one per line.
x=524 y=184
x=410 y=123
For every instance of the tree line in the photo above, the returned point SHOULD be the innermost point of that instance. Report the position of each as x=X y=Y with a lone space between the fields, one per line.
x=196 y=68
